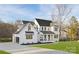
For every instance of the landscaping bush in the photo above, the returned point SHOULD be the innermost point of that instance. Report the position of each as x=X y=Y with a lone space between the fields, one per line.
x=64 y=40
x=5 y=39
x=68 y=39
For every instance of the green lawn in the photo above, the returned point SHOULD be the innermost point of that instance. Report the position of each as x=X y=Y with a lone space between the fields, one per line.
x=3 y=52
x=69 y=46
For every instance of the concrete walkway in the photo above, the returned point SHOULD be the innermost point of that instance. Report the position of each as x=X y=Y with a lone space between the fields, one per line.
x=27 y=49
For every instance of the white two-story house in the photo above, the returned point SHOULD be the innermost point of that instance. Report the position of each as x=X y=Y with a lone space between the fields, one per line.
x=36 y=31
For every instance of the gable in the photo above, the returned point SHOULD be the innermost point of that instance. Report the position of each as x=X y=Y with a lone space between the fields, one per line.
x=28 y=24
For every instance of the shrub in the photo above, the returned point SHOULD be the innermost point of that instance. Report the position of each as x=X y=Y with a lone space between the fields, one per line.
x=5 y=39
x=64 y=40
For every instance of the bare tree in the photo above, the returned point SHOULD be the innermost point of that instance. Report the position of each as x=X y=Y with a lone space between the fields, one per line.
x=60 y=14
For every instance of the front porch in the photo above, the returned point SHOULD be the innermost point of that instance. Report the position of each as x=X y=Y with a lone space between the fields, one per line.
x=47 y=38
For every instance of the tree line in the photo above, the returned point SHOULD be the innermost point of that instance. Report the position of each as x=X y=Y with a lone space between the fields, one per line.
x=7 y=29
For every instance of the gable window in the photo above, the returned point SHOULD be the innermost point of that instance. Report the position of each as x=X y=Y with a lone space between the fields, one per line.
x=29 y=28
x=56 y=36
x=30 y=36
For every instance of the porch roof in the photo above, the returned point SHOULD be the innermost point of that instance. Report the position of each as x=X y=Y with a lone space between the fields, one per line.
x=29 y=32
x=47 y=32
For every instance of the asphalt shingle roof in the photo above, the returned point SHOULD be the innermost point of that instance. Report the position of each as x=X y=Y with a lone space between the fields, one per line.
x=25 y=22
x=43 y=22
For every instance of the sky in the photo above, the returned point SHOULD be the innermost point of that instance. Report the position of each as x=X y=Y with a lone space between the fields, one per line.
x=13 y=12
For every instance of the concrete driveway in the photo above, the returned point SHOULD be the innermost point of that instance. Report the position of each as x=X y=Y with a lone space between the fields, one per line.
x=10 y=46
x=27 y=49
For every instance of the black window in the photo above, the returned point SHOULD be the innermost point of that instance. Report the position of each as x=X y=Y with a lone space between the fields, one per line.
x=56 y=36
x=42 y=28
x=56 y=29
x=45 y=28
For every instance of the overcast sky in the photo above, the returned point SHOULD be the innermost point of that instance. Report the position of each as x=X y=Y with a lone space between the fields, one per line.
x=10 y=13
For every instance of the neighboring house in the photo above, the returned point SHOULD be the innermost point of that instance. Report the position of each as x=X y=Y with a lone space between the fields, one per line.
x=38 y=31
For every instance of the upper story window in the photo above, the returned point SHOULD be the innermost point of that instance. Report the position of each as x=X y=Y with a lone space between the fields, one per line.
x=55 y=29
x=29 y=28
x=48 y=28
x=42 y=28
x=45 y=28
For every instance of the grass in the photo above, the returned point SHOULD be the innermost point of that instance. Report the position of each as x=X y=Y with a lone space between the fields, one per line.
x=3 y=52
x=68 y=46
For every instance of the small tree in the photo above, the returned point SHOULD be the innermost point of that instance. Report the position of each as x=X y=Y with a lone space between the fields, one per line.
x=72 y=29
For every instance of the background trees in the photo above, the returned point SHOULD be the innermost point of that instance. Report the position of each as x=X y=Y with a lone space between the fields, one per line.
x=6 y=29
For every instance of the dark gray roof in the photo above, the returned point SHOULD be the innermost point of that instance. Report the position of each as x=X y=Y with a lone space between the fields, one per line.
x=47 y=32
x=25 y=22
x=43 y=22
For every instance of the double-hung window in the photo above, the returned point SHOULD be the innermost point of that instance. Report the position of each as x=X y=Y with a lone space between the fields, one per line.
x=29 y=36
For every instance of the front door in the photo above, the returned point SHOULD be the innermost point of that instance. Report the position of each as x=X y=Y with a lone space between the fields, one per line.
x=17 y=39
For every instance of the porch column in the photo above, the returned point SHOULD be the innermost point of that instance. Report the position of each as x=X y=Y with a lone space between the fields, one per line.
x=43 y=37
x=52 y=37
x=47 y=37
